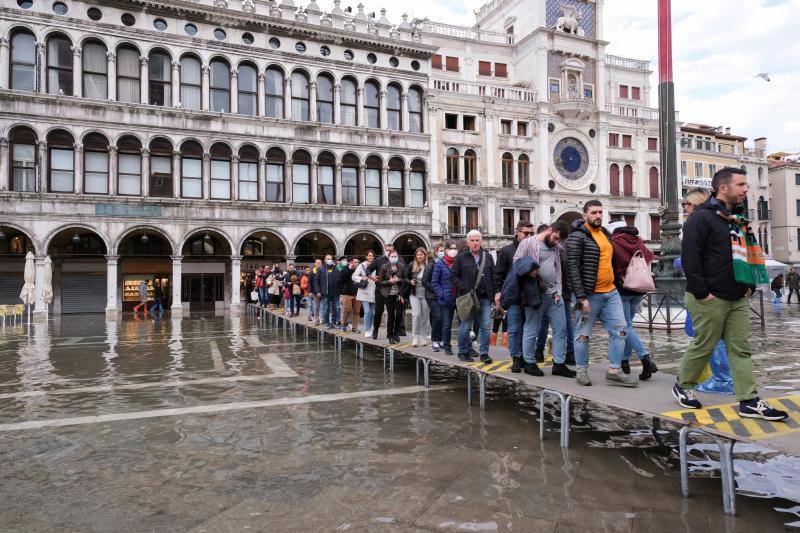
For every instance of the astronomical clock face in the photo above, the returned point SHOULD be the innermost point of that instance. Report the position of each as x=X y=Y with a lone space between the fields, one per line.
x=571 y=158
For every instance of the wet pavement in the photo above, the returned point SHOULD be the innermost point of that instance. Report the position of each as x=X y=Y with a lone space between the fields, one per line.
x=215 y=424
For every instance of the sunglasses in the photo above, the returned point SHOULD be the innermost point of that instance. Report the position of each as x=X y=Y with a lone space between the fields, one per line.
x=527 y=233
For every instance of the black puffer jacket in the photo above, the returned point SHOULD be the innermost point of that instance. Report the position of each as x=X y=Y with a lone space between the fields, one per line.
x=505 y=258
x=583 y=260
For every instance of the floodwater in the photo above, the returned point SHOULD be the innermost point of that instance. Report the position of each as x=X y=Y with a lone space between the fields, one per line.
x=212 y=424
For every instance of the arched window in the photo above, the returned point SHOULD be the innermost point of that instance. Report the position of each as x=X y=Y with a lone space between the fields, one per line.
x=95 y=164
x=128 y=75
x=276 y=160
x=470 y=167
x=396 y=185
x=248 y=90
x=326 y=170
x=613 y=177
x=417 y=183
x=95 y=71
x=452 y=165
x=393 y=111
x=348 y=102
x=191 y=170
x=220 y=86
x=325 y=99
x=524 y=171
x=61 y=152
x=374 y=168
x=507 y=167
x=160 y=79
x=300 y=96
x=654 y=182
x=350 y=180
x=415 y=110
x=627 y=180
x=248 y=173
x=301 y=177
x=220 y=171
x=129 y=166
x=160 y=168
x=23 y=61
x=22 y=147
x=191 y=82
x=59 y=65
x=274 y=92
x=372 y=105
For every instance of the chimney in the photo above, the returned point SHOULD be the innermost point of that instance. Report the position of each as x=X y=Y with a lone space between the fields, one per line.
x=761 y=144
x=727 y=131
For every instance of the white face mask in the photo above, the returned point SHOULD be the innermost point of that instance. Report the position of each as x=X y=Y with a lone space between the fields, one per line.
x=452 y=253
x=393 y=260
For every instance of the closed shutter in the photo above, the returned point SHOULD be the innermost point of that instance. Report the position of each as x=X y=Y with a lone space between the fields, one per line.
x=85 y=293
x=10 y=287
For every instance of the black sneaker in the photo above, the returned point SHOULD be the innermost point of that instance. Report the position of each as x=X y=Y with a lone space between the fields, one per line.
x=448 y=351
x=539 y=354
x=757 y=408
x=570 y=358
x=686 y=398
x=466 y=357
x=517 y=364
x=560 y=369
x=625 y=365
x=648 y=368
x=533 y=370
x=485 y=359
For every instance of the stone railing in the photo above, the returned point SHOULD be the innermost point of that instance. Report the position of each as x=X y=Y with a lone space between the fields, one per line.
x=645 y=113
x=462 y=32
x=481 y=89
x=626 y=62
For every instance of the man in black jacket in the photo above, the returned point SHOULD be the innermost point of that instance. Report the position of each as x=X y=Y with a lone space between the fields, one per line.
x=327 y=284
x=464 y=278
x=717 y=297
x=591 y=275
x=505 y=257
x=372 y=272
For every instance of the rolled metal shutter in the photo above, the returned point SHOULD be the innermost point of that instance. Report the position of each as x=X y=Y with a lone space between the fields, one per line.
x=84 y=293
x=10 y=287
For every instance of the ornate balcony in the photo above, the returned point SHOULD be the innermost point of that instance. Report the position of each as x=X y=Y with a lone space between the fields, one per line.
x=574 y=107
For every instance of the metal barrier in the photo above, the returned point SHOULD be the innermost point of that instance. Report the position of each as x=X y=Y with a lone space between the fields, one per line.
x=666 y=310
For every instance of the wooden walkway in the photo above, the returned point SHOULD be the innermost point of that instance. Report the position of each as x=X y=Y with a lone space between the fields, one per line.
x=718 y=419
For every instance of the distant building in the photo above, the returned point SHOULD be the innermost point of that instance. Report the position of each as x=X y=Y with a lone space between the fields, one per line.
x=784 y=183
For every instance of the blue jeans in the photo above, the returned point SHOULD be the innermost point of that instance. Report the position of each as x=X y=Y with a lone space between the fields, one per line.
x=329 y=304
x=608 y=308
x=541 y=340
x=369 y=314
x=436 y=319
x=310 y=306
x=447 y=324
x=630 y=306
x=485 y=325
x=515 y=319
x=263 y=297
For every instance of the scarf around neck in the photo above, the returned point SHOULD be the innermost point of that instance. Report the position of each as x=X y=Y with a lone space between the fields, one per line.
x=748 y=258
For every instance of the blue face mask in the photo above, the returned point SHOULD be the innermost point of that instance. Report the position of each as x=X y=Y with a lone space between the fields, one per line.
x=440 y=255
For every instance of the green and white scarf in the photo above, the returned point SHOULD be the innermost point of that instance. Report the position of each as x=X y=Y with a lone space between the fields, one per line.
x=748 y=258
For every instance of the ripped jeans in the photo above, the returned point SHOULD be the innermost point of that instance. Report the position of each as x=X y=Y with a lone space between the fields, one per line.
x=608 y=308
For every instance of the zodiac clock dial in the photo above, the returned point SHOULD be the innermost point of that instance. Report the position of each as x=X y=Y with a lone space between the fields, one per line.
x=571 y=158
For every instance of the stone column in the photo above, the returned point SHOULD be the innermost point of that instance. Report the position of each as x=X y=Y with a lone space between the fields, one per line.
x=385 y=186
x=543 y=147
x=206 y=175
x=40 y=308
x=406 y=187
x=406 y=116
x=41 y=57
x=4 y=173
x=604 y=165
x=77 y=71
x=176 y=174
x=236 y=274
x=424 y=125
x=42 y=184
x=312 y=183
x=261 y=104
x=287 y=98
x=112 y=262
x=205 y=88
x=144 y=78
x=176 y=83
x=383 y=116
x=490 y=157
x=262 y=178
x=234 y=91
x=112 y=170
x=337 y=104
x=312 y=101
x=235 y=177
x=77 y=168
x=362 y=186
x=337 y=184
x=360 y=106
x=145 y=184
x=177 y=307
x=112 y=76
x=287 y=181
x=4 y=60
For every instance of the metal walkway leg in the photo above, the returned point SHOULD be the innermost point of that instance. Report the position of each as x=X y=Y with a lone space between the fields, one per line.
x=425 y=371
x=726 y=470
x=565 y=400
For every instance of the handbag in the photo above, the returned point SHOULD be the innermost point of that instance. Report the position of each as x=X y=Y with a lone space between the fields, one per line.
x=638 y=277
x=364 y=283
x=296 y=289
x=254 y=296
x=468 y=304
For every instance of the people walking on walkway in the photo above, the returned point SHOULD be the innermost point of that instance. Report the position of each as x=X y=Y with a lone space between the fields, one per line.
x=328 y=287
x=723 y=265
x=366 y=291
x=543 y=248
x=591 y=275
x=158 y=298
x=627 y=244
x=142 y=298
x=351 y=307
x=391 y=283
x=373 y=271
x=473 y=271
x=445 y=294
x=793 y=284
x=420 y=314
x=315 y=289
x=521 y=296
x=434 y=309
x=273 y=284
x=307 y=286
x=505 y=259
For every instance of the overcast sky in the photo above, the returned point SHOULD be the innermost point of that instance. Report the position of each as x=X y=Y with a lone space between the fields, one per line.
x=719 y=46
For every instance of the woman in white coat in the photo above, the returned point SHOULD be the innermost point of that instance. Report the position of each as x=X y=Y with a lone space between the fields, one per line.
x=366 y=291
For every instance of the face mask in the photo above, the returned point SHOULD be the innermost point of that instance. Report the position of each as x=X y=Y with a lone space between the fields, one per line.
x=329 y=262
x=393 y=260
x=452 y=253
x=440 y=255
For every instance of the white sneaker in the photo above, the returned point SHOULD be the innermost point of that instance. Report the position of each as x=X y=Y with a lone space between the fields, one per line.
x=415 y=342
x=367 y=333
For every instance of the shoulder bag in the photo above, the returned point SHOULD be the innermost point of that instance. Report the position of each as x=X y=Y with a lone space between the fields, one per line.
x=638 y=276
x=468 y=304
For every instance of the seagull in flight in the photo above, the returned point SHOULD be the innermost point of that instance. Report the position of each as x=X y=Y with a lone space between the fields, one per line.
x=763 y=75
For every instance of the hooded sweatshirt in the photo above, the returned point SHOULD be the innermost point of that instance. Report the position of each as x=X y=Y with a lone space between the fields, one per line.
x=519 y=288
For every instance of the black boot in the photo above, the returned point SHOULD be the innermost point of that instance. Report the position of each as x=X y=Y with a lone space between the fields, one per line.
x=570 y=358
x=625 y=365
x=560 y=369
x=517 y=364
x=648 y=368
x=533 y=370
x=539 y=354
